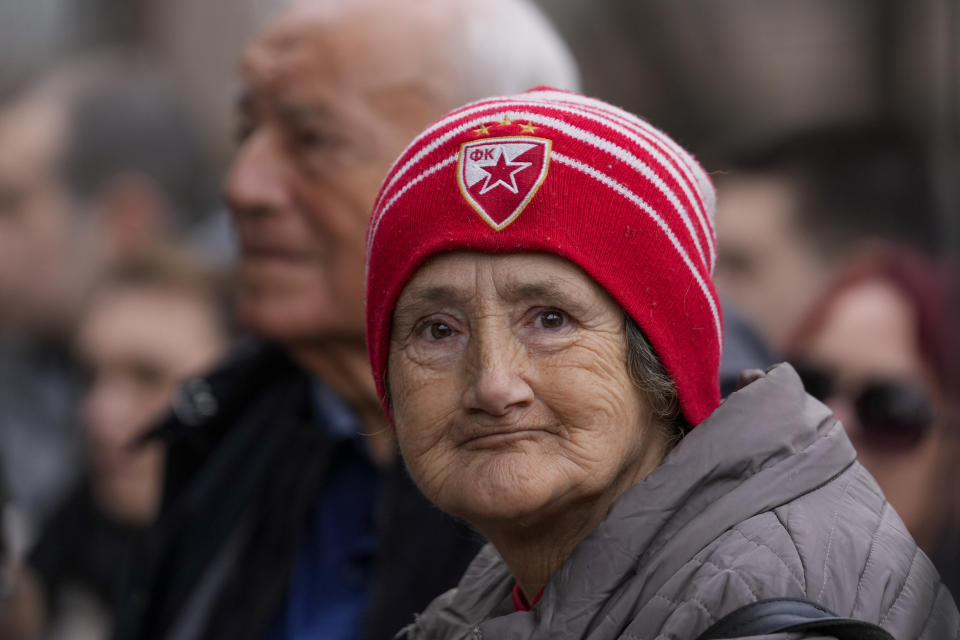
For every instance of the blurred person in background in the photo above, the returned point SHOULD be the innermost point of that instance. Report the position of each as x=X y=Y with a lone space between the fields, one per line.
x=21 y=610
x=879 y=348
x=98 y=163
x=793 y=214
x=150 y=323
x=744 y=348
x=285 y=512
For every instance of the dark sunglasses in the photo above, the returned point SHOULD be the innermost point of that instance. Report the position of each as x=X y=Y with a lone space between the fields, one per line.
x=894 y=415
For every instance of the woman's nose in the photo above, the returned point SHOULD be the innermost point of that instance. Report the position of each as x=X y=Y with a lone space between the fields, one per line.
x=498 y=384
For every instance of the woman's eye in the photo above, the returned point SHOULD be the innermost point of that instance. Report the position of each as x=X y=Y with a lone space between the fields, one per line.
x=551 y=319
x=440 y=330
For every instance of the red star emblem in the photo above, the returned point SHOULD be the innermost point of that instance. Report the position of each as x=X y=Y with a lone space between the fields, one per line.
x=502 y=173
x=499 y=176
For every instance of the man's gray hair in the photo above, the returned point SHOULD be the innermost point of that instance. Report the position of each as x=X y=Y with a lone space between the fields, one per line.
x=649 y=376
x=491 y=47
x=508 y=46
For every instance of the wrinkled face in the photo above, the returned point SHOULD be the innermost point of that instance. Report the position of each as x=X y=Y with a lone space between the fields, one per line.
x=332 y=95
x=138 y=345
x=869 y=334
x=35 y=223
x=765 y=265
x=510 y=393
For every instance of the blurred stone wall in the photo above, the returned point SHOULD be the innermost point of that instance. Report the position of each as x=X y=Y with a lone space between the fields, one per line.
x=717 y=74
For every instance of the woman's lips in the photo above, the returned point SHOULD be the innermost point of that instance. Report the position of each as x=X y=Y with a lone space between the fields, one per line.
x=494 y=438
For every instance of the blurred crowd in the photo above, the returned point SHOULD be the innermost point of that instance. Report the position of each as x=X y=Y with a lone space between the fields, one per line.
x=185 y=403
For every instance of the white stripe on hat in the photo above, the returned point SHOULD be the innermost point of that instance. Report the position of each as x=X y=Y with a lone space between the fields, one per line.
x=600 y=177
x=389 y=203
x=679 y=153
x=639 y=202
x=609 y=117
x=695 y=173
x=460 y=113
x=584 y=136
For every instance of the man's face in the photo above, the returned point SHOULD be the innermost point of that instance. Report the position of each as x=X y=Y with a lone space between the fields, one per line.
x=765 y=265
x=332 y=96
x=138 y=343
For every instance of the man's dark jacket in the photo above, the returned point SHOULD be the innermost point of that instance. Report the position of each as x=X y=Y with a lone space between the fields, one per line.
x=246 y=460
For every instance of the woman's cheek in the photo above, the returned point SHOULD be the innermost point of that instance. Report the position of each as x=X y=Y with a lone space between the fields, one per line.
x=422 y=409
x=428 y=451
x=587 y=387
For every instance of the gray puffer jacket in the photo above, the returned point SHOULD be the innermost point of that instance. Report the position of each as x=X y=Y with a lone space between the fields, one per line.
x=764 y=499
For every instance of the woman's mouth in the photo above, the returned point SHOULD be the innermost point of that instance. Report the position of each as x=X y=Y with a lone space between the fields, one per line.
x=494 y=438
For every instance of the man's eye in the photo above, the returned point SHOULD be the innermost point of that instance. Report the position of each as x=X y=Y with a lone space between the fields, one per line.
x=551 y=319
x=311 y=139
x=440 y=330
x=148 y=374
x=243 y=127
x=11 y=200
x=241 y=133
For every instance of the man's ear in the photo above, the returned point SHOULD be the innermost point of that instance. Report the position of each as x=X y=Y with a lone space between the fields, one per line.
x=134 y=214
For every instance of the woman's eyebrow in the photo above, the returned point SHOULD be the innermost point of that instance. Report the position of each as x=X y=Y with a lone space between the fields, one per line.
x=546 y=290
x=439 y=293
x=542 y=291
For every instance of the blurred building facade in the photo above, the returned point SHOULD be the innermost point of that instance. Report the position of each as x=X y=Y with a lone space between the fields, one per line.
x=717 y=74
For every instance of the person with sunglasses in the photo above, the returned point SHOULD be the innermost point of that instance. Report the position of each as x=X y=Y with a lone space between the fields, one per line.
x=879 y=348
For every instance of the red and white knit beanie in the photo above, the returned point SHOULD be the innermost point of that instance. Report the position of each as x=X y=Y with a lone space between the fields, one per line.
x=556 y=172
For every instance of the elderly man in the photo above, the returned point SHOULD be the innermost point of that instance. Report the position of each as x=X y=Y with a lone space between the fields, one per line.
x=285 y=514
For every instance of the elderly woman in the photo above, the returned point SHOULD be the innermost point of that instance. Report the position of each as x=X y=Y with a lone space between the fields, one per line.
x=546 y=338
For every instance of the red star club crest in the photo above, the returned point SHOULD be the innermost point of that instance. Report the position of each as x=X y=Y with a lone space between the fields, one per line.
x=499 y=176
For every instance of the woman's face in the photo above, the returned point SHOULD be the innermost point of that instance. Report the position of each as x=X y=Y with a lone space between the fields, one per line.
x=510 y=392
x=869 y=334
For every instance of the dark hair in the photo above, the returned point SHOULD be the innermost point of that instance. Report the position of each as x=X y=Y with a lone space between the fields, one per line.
x=927 y=288
x=124 y=116
x=853 y=181
x=176 y=269
x=649 y=376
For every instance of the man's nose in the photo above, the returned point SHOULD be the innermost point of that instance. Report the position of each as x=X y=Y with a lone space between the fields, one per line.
x=499 y=382
x=255 y=180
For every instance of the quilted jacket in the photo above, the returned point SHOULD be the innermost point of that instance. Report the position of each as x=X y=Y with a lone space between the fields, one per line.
x=764 y=499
